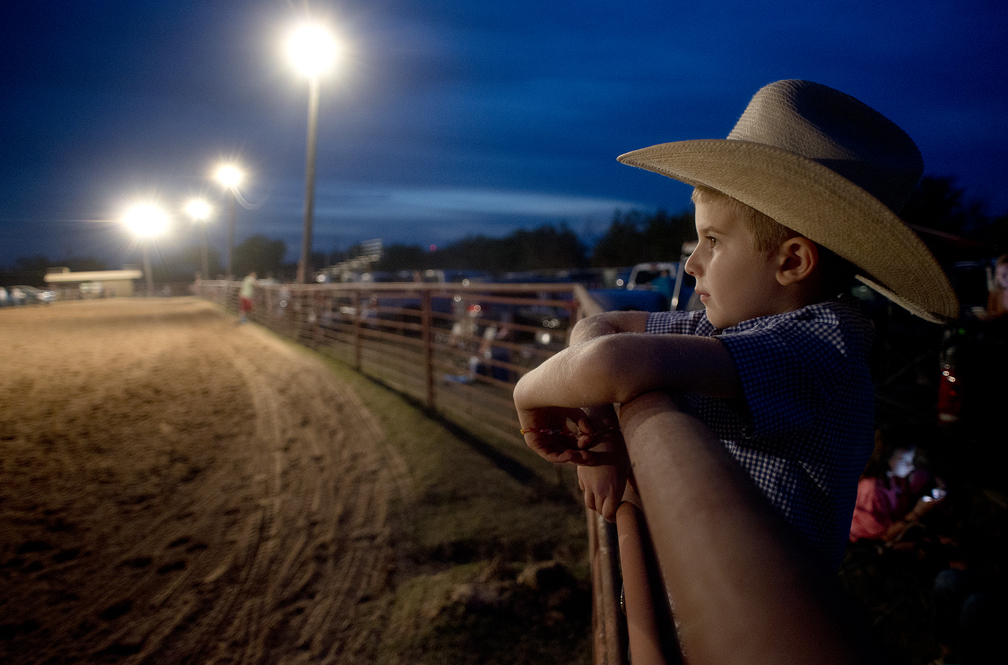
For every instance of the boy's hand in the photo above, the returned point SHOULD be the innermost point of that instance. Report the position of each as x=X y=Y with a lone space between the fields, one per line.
x=547 y=432
x=603 y=486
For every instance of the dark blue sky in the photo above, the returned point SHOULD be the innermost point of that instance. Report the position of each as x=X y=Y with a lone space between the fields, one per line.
x=447 y=117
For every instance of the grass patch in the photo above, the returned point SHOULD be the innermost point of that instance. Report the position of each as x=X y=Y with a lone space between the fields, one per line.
x=491 y=551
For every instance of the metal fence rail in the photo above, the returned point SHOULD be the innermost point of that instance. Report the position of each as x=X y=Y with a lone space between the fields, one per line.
x=457 y=349
x=431 y=342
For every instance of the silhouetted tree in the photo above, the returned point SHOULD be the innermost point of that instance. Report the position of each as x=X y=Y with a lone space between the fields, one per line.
x=83 y=264
x=633 y=238
x=543 y=248
x=26 y=270
x=404 y=257
x=997 y=235
x=261 y=254
x=938 y=203
x=182 y=266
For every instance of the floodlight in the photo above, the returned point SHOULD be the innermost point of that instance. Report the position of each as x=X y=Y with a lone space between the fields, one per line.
x=198 y=209
x=146 y=220
x=229 y=175
x=311 y=49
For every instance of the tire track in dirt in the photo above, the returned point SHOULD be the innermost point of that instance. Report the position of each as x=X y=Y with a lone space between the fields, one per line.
x=274 y=546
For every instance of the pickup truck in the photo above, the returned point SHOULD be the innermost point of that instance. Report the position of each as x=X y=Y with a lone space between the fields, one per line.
x=641 y=293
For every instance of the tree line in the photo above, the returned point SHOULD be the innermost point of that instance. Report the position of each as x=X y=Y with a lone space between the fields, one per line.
x=961 y=228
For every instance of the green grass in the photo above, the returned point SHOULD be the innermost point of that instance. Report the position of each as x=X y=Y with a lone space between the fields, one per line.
x=484 y=515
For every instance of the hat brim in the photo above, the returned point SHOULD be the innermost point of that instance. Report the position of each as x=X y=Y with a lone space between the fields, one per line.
x=820 y=204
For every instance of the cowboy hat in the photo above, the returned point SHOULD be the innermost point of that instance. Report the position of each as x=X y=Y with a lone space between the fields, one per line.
x=831 y=168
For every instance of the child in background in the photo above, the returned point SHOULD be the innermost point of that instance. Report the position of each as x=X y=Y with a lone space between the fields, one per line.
x=893 y=493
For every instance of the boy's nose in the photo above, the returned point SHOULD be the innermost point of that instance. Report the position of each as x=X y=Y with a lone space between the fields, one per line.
x=692 y=264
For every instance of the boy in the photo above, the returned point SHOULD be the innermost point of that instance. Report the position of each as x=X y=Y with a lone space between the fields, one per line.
x=803 y=194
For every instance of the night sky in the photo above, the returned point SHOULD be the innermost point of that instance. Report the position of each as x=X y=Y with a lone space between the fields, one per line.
x=446 y=117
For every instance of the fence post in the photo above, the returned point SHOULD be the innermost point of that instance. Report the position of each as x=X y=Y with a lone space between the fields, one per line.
x=356 y=330
x=609 y=638
x=318 y=298
x=425 y=317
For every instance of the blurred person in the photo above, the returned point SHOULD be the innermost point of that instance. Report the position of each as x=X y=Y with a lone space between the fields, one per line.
x=997 y=299
x=490 y=351
x=893 y=494
x=245 y=293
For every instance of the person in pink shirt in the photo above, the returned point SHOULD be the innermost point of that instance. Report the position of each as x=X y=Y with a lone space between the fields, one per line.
x=892 y=493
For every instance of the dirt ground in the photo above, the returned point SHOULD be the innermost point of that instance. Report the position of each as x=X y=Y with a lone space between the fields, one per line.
x=176 y=487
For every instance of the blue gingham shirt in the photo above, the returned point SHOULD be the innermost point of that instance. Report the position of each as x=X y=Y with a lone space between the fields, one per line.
x=804 y=428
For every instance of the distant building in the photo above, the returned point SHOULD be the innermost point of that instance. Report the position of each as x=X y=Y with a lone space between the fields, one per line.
x=92 y=283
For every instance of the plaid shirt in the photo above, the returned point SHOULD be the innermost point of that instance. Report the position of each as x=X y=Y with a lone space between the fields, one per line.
x=804 y=429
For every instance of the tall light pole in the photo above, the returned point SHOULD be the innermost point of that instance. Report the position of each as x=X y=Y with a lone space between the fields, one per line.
x=312 y=51
x=230 y=176
x=200 y=212
x=147 y=221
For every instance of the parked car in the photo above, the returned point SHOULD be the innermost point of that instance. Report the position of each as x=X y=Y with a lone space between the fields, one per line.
x=30 y=295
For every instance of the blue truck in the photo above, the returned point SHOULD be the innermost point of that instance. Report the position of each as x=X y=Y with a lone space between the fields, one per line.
x=651 y=287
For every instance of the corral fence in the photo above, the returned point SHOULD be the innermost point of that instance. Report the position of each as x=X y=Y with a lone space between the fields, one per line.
x=458 y=349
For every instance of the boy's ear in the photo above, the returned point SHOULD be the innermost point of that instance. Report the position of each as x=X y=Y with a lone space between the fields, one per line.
x=796 y=260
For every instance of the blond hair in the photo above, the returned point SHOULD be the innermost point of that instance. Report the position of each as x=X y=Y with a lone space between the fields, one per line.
x=767 y=233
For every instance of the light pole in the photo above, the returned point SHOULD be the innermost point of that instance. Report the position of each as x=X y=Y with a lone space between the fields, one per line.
x=230 y=176
x=200 y=212
x=147 y=221
x=312 y=51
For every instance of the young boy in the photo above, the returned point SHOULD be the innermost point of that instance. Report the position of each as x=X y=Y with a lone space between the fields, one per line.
x=802 y=195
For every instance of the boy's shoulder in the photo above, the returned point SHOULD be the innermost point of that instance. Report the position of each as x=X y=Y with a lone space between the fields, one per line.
x=828 y=335
x=840 y=316
x=842 y=313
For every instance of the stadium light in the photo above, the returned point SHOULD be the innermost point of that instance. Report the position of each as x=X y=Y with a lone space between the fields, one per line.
x=200 y=212
x=146 y=221
x=312 y=51
x=230 y=176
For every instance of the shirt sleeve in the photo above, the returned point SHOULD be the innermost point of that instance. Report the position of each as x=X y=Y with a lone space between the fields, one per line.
x=677 y=323
x=789 y=371
x=871 y=518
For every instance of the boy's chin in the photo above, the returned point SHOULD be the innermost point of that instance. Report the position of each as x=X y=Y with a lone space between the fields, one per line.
x=719 y=321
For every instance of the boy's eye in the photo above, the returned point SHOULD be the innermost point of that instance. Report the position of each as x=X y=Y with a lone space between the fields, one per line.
x=711 y=240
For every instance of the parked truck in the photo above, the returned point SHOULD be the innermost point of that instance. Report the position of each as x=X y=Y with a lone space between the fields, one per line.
x=652 y=287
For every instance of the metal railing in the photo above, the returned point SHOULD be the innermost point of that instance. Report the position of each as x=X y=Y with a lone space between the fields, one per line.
x=458 y=350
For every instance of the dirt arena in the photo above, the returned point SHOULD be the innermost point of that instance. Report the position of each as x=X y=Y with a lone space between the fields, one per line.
x=179 y=488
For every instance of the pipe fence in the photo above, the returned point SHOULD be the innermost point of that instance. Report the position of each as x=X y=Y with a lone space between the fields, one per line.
x=459 y=350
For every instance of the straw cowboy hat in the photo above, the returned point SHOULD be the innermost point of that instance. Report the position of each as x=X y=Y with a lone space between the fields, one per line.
x=831 y=168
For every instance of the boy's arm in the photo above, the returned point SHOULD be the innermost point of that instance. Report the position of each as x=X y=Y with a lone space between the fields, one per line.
x=608 y=323
x=744 y=590
x=615 y=368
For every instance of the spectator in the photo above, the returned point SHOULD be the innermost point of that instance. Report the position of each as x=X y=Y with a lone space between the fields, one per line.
x=997 y=300
x=893 y=494
x=245 y=296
